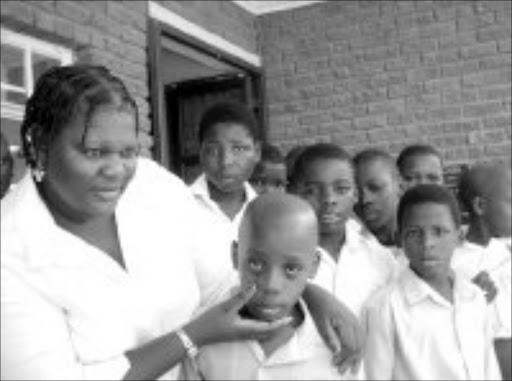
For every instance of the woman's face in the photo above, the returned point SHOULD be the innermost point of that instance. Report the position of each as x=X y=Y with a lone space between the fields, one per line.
x=88 y=170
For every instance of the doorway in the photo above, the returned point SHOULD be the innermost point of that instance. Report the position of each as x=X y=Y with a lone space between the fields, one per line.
x=186 y=77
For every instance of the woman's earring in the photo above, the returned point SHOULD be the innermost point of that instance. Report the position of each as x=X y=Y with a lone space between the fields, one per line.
x=38 y=174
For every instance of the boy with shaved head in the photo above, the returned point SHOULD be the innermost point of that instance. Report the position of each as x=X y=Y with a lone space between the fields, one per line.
x=276 y=254
x=485 y=256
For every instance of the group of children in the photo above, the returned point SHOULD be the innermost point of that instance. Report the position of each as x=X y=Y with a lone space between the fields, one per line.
x=384 y=236
x=387 y=241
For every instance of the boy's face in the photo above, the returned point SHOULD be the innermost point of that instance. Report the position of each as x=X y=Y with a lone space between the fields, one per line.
x=228 y=155
x=378 y=193
x=422 y=169
x=429 y=237
x=279 y=261
x=268 y=177
x=328 y=185
x=497 y=208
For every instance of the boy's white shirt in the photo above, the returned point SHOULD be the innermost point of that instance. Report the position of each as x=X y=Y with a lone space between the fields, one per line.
x=304 y=357
x=415 y=334
x=219 y=230
x=470 y=259
x=200 y=190
x=363 y=267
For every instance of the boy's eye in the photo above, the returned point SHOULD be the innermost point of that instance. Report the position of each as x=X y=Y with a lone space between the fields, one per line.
x=342 y=189
x=240 y=149
x=255 y=265
x=292 y=270
x=440 y=231
x=130 y=153
x=412 y=233
x=93 y=153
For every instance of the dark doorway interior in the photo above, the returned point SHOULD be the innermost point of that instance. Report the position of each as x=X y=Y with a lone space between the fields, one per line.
x=187 y=77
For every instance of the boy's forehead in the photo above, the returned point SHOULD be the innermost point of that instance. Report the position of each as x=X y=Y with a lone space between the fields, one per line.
x=228 y=128
x=435 y=210
x=423 y=160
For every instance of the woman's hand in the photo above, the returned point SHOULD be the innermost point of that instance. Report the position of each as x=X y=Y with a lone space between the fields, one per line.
x=338 y=326
x=223 y=323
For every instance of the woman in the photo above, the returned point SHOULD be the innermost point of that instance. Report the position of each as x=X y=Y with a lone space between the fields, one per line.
x=99 y=277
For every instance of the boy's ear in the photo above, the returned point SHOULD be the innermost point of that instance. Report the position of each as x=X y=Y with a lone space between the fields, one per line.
x=478 y=205
x=316 y=263
x=234 y=254
x=257 y=149
x=461 y=236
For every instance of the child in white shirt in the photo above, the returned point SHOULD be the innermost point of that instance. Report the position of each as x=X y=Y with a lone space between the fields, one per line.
x=353 y=263
x=431 y=323
x=276 y=254
x=485 y=257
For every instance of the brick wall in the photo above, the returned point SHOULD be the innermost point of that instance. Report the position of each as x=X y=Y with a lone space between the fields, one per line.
x=110 y=33
x=386 y=74
x=224 y=18
x=113 y=33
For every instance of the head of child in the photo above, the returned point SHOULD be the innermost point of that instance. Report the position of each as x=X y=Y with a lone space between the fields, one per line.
x=420 y=164
x=270 y=173
x=229 y=146
x=485 y=191
x=276 y=252
x=429 y=226
x=323 y=175
x=378 y=189
x=80 y=140
x=7 y=166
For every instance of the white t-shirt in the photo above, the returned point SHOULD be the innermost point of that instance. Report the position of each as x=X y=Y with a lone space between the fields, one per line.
x=68 y=310
x=304 y=357
x=363 y=267
x=413 y=333
x=221 y=231
x=470 y=259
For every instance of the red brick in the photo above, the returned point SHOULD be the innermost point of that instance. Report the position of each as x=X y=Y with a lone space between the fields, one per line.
x=45 y=21
x=73 y=11
x=482 y=109
x=479 y=50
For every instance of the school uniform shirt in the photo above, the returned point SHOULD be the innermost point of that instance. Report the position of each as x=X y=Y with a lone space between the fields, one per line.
x=470 y=259
x=222 y=231
x=413 y=333
x=68 y=310
x=303 y=357
x=363 y=267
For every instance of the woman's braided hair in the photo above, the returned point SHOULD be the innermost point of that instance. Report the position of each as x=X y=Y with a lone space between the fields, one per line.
x=61 y=94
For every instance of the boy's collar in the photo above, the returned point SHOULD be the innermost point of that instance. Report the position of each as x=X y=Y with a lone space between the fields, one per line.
x=416 y=289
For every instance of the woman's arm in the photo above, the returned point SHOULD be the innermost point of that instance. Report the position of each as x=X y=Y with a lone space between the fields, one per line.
x=337 y=325
x=220 y=323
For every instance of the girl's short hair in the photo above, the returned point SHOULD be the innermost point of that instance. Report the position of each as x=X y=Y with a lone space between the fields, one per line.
x=312 y=153
x=60 y=95
x=428 y=193
x=228 y=112
x=413 y=151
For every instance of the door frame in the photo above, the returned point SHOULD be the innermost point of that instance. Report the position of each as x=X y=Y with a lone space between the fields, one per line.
x=157 y=30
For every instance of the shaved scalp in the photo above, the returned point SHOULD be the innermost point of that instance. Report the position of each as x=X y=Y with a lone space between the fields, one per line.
x=483 y=180
x=278 y=213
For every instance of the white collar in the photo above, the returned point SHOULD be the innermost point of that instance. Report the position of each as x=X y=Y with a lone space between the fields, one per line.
x=416 y=289
x=300 y=347
x=200 y=189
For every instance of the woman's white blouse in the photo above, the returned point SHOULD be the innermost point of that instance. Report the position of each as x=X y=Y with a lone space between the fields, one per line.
x=68 y=310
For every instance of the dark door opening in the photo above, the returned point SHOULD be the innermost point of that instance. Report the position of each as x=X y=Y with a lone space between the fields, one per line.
x=186 y=77
x=186 y=101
